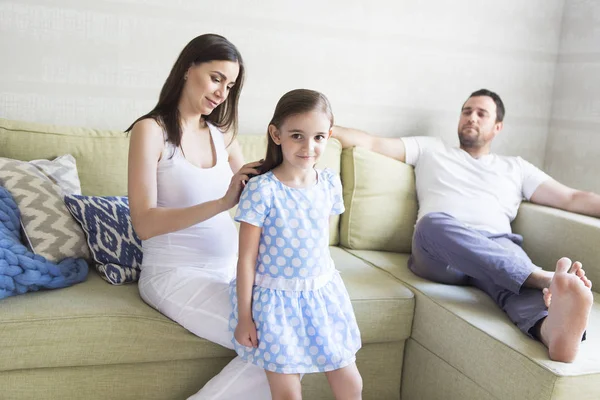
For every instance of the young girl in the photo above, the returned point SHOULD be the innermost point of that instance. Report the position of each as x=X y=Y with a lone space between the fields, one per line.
x=292 y=314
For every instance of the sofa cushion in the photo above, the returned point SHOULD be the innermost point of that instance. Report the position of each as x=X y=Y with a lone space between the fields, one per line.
x=463 y=327
x=381 y=202
x=93 y=323
x=383 y=306
x=116 y=249
x=62 y=171
x=91 y=148
x=50 y=230
x=254 y=148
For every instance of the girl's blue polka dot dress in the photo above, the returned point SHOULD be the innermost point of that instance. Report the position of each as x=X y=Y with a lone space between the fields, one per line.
x=302 y=311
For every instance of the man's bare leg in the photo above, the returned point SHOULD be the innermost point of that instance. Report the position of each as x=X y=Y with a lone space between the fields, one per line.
x=569 y=299
x=539 y=279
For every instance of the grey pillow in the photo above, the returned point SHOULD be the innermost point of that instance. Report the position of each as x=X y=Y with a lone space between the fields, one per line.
x=38 y=188
x=62 y=171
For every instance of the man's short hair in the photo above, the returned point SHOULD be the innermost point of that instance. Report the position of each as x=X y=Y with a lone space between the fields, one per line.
x=500 y=111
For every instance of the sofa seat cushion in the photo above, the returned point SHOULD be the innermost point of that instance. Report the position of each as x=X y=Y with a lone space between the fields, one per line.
x=464 y=327
x=383 y=306
x=94 y=323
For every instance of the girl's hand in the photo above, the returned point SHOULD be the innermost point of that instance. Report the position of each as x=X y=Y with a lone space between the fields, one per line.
x=245 y=333
x=238 y=181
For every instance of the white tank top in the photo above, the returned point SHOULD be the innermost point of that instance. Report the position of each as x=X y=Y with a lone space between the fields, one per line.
x=182 y=184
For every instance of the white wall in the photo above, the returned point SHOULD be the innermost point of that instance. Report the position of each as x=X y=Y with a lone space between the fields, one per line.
x=393 y=67
x=573 y=151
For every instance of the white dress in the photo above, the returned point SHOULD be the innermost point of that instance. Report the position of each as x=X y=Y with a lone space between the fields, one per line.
x=186 y=274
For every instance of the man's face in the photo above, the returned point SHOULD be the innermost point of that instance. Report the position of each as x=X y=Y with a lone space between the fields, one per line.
x=477 y=125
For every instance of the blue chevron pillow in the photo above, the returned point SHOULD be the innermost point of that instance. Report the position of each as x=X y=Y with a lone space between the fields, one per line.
x=115 y=247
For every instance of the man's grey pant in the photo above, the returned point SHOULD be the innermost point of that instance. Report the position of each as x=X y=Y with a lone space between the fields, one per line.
x=447 y=251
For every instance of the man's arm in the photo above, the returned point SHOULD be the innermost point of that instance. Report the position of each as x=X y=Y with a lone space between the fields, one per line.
x=554 y=194
x=390 y=147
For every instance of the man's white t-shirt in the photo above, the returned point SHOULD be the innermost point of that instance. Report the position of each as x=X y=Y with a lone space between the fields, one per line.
x=484 y=193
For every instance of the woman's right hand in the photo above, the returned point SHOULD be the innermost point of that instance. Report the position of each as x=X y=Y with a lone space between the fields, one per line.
x=245 y=333
x=238 y=181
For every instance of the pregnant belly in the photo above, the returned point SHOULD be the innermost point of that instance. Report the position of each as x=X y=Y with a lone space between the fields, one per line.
x=208 y=241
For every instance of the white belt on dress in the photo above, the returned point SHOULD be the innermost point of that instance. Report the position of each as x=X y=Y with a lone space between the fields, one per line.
x=295 y=284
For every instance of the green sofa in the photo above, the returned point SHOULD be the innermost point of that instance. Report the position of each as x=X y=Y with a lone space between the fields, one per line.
x=421 y=340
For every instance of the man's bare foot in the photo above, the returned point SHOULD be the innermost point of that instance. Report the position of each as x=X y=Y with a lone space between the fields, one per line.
x=570 y=301
x=577 y=270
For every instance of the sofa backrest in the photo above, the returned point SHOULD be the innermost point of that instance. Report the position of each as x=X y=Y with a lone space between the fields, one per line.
x=101 y=155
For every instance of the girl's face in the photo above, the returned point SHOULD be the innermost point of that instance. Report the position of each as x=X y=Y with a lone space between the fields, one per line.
x=208 y=84
x=303 y=138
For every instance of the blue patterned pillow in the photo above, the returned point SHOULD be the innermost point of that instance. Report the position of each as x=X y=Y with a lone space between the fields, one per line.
x=114 y=245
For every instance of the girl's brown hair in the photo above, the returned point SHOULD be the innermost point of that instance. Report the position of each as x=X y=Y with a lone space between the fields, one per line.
x=204 y=48
x=296 y=102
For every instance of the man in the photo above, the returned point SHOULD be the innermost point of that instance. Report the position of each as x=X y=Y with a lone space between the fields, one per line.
x=467 y=198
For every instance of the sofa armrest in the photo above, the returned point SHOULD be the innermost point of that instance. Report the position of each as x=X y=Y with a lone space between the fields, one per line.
x=550 y=234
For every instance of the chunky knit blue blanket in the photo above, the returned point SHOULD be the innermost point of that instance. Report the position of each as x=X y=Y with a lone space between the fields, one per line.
x=22 y=271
